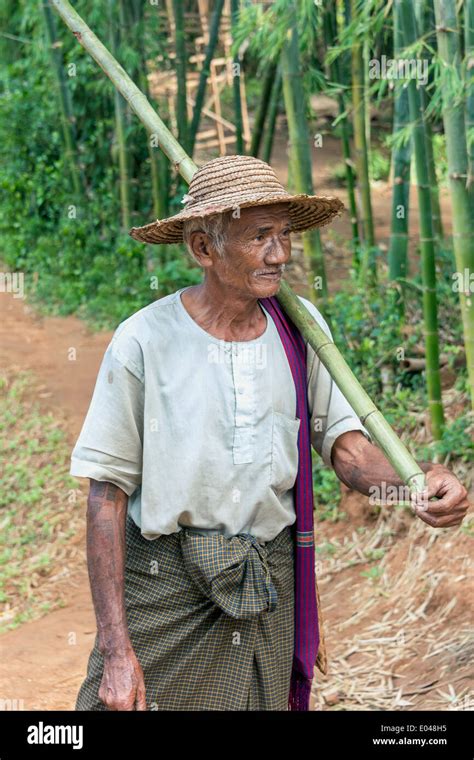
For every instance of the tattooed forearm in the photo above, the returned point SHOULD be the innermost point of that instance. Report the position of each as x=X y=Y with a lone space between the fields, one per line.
x=361 y=465
x=106 y=514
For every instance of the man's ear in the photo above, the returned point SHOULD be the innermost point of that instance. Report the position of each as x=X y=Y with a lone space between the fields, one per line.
x=201 y=247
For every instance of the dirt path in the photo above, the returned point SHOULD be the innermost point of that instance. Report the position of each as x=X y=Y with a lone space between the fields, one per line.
x=43 y=662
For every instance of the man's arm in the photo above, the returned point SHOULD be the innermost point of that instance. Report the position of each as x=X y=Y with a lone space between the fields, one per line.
x=122 y=686
x=361 y=465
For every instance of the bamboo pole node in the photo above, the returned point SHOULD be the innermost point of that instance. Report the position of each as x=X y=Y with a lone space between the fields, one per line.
x=364 y=417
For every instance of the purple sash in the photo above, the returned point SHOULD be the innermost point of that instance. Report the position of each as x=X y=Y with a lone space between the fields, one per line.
x=306 y=613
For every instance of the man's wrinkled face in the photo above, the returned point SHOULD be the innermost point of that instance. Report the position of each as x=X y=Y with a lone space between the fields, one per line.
x=257 y=245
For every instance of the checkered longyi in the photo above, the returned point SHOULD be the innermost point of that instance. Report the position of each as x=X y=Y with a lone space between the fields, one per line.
x=211 y=621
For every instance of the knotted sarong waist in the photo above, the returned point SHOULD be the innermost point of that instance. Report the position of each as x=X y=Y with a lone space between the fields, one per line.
x=232 y=572
x=184 y=593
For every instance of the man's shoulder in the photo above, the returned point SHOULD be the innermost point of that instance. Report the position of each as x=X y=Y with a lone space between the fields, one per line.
x=141 y=320
x=146 y=325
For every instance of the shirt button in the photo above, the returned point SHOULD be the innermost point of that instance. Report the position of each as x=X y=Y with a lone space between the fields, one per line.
x=240 y=390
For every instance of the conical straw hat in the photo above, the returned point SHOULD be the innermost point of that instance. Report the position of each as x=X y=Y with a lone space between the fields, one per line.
x=231 y=182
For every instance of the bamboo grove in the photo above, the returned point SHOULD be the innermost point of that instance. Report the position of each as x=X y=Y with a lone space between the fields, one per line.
x=410 y=60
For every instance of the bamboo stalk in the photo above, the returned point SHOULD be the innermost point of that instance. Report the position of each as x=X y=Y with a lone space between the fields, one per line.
x=239 y=140
x=64 y=100
x=336 y=75
x=395 y=451
x=300 y=152
x=469 y=55
x=456 y=146
x=369 y=415
x=368 y=267
x=430 y=306
x=180 y=63
x=272 y=117
x=262 y=110
x=204 y=74
x=398 y=248
x=120 y=134
x=426 y=28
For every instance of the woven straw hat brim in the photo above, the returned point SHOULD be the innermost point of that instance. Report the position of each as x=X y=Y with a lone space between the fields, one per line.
x=306 y=212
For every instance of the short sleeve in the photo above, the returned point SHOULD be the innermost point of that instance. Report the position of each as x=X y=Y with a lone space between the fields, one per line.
x=331 y=414
x=110 y=445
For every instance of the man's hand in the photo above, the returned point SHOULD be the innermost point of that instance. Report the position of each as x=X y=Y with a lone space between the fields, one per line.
x=451 y=505
x=122 y=686
x=361 y=465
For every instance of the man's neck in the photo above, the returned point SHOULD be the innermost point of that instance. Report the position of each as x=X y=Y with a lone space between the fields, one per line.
x=226 y=314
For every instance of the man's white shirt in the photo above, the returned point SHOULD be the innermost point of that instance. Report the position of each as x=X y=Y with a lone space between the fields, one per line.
x=200 y=431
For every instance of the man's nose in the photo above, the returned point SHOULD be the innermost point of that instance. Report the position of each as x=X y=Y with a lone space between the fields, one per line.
x=277 y=252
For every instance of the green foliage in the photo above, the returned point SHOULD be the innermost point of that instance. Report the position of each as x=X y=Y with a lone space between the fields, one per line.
x=379 y=168
x=374 y=574
x=379 y=165
x=457 y=442
x=327 y=492
x=368 y=330
x=71 y=250
x=440 y=157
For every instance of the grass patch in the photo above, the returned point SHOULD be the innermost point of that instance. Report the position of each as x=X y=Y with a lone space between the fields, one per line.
x=38 y=503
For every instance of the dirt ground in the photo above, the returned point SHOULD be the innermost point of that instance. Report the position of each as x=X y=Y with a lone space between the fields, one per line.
x=400 y=643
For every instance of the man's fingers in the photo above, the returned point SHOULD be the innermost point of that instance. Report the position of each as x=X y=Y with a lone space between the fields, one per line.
x=455 y=495
x=140 y=699
x=455 y=517
x=444 y=507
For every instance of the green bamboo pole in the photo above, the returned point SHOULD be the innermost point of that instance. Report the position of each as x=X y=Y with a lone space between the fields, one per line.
x=64 y=100
x=336 y=76
x=469 y=69
x=427 y=241
x=395 y=451
x=368 y=264
x=239 y=140
x=300 y=152
x=157 y=191
x=456 y=146
x=366 y=93
x=426 y=28
x=401 y=157
x=205 y=71
x=346 y=12
x=272 y=117
x=262 y=110
x=328 y=353
x=120 y=132
x=180 y=65
x=433 y=179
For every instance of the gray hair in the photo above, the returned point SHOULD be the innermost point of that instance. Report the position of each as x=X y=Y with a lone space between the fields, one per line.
x=215 y=226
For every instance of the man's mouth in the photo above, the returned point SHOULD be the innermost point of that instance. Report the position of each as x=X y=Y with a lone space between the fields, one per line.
x=270 y=275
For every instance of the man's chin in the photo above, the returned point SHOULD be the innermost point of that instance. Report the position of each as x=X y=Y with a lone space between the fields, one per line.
x=266 y=287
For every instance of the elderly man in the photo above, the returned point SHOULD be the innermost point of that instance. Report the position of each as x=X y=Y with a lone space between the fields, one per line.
x=197 y=446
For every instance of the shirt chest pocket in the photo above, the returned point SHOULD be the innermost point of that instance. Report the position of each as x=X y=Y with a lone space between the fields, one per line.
x=284 y=458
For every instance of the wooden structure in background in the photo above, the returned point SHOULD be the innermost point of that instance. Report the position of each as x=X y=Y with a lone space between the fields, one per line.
x=216 y=131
